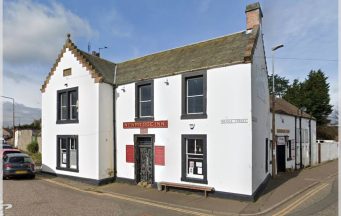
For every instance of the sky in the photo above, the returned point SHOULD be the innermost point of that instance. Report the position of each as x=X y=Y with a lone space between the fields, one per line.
x=35 y=31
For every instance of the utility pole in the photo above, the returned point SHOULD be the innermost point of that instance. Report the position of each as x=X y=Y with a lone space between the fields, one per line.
x=274 y=143
x=13 y=117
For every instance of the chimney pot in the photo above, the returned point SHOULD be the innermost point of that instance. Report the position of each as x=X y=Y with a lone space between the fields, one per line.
x=95 y=53
x=253 y=15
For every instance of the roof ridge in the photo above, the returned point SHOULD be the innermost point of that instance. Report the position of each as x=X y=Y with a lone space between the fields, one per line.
x=83 y=52
x=188 y=45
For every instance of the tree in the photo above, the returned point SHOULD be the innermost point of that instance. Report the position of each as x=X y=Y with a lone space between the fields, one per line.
x=313 y=94
x=294 y=93
x=316 y=96
x=281 y=85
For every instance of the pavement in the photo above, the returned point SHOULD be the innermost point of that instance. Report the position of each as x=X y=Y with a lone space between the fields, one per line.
x=282 y=189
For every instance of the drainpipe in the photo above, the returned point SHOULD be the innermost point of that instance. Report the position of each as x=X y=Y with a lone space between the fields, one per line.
x=114 y=122
x=301 y=165
x=295 y=144
x=309 y=141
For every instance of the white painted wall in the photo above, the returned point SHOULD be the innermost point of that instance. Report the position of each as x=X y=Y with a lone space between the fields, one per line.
x=229 y=150
x=106 y=133
x=329 y=150
x=86 y=129
x=260 y=114
x=288 y=122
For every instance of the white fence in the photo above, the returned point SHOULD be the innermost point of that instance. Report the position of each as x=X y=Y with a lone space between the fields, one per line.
x=327 y=150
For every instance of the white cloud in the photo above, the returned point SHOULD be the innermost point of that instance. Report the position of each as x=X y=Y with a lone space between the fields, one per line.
x=34 y=33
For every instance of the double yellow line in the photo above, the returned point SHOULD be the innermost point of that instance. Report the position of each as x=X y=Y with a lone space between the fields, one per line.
x=132 y=199
x=299 y=201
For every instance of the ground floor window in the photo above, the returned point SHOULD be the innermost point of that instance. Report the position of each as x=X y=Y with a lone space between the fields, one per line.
x=67 y=152
x=194 y=158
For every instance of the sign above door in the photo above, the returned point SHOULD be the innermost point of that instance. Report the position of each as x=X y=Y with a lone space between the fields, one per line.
x=146 y=124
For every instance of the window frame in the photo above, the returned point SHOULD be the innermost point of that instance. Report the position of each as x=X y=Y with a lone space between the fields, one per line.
x=68 y=120
x=184 y=90
x=137 y=101
x=184 y=176
x=68 y=148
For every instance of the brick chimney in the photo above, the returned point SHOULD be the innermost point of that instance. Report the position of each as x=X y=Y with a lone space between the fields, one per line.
x=253 y=15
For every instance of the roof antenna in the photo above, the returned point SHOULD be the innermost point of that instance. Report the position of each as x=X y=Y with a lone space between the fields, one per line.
x=89 y=47
x=99 y=49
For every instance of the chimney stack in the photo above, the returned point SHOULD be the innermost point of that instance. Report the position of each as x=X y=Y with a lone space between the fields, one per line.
x=95 y=53
x=253 y=15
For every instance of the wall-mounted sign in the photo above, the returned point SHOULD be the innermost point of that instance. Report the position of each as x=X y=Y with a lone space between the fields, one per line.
x=130 y=153
x=283 y=131
x=159 y=155
x=233 y=121
x=281 y=140
x=146 y=124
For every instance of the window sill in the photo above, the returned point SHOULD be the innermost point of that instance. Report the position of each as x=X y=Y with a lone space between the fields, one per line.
x=67 y=169
x=138 y=119
x=194 y=180
x=194 y=116
x=67 y=121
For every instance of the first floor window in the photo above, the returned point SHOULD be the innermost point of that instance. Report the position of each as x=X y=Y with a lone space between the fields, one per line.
x=144 y=104
x=194 y=166
x=67 y=106
x=67 y=152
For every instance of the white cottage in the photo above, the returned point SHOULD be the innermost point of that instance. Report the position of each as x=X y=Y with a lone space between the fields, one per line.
x=296 y=137
x=196 y=115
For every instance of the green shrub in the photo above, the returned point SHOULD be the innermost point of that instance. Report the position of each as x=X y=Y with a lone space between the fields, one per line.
x=33 y=147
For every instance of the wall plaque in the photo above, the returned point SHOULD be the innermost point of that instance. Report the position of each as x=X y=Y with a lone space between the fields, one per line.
x=130 y=153
x=159 y=155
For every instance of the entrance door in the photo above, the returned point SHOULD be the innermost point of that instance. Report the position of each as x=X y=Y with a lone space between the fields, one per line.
x=280 y=158
x=144 y=160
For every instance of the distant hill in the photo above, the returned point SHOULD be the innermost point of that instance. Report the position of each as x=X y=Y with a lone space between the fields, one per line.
x=23 y=114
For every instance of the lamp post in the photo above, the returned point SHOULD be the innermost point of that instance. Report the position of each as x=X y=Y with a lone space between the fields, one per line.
x=302 y=109
x=273 y=112
x=13 y=117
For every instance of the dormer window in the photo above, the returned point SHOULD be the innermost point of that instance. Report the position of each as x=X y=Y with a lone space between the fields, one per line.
x=67 y=106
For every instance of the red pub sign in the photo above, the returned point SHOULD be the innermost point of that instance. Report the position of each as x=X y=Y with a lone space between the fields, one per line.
x=146 y=124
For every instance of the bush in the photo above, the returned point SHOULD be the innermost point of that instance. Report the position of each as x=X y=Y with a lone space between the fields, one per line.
x=33 y=147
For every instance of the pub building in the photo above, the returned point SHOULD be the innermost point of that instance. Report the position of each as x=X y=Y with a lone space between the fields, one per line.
x=193 y=115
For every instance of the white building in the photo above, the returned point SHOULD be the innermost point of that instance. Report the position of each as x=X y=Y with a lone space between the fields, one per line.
x=296 y=137
x=197 y=114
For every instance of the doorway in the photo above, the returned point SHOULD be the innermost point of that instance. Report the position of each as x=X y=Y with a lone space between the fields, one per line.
x=280 y=158
x=144 y=158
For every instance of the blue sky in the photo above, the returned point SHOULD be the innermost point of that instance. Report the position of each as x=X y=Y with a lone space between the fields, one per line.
x=34 y=33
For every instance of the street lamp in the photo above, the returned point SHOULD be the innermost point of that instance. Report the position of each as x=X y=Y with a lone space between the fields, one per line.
x=13 y=118
x=273 y=112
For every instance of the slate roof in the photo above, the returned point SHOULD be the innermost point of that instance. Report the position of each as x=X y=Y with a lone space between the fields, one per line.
x=284 y=107
x=227 y=50
x=102 y=66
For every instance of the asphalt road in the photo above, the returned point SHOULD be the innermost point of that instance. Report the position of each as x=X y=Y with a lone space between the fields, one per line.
x=38 y=197
x=324 y=203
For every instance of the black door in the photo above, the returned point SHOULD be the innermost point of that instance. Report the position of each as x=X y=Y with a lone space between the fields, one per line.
x=280 y=158
x=144 y=160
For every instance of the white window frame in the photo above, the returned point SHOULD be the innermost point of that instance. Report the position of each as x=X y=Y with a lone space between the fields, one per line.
x=188 y=175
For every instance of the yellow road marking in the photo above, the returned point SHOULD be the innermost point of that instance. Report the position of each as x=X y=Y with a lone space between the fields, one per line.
x=298 y=202
x=136 y=200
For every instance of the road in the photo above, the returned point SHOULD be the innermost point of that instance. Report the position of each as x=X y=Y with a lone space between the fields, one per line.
x=321 y=200
x=38 y=197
